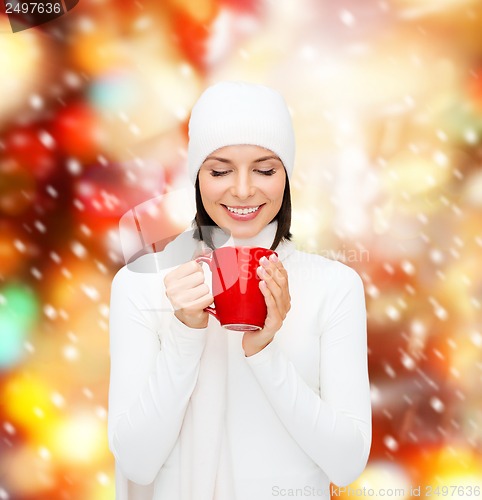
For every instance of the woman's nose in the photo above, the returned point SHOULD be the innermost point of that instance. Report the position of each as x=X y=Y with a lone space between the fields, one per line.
x=243 y=187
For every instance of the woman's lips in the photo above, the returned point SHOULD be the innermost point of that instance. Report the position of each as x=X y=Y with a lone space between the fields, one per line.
x=243 y=217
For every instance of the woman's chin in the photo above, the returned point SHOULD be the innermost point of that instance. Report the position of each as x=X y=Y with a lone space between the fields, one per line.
x=247 y=231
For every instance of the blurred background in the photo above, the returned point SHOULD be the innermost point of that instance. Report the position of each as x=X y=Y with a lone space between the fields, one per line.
x=386 y=98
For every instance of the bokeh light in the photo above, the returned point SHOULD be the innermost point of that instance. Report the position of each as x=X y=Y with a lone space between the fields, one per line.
x=18 y=312
x=29 y=403
x=21 y=58
x=78 y=441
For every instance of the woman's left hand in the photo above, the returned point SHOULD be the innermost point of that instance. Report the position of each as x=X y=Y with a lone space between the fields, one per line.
x=274 y=287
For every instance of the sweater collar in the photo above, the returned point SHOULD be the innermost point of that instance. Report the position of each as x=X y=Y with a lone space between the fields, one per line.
x=185 y=248
x=263 y=239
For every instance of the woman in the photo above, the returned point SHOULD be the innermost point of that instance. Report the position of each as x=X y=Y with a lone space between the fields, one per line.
x=197 y=412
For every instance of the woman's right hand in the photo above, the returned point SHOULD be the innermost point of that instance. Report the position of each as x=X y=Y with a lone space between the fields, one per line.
x=188 y=294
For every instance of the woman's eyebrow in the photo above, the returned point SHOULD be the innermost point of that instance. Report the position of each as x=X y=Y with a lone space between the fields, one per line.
x=264 y=158
x=226 y=160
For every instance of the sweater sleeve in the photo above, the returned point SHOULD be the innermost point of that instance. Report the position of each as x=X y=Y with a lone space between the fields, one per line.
x=151 y=380
x=334 y=429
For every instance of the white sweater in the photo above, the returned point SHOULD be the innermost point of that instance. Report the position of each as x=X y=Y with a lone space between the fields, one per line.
x=192 y=418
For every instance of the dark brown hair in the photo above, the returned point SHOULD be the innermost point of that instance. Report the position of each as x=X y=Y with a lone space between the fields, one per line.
x=202 y=219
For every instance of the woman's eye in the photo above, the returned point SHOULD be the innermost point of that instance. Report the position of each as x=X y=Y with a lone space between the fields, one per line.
x=218 y=173
x=267 y=172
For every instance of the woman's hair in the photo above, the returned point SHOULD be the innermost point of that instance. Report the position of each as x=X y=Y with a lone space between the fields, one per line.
x=202 y=223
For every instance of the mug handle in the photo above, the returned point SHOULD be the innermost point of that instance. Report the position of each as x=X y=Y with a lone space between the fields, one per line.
x=207 y=259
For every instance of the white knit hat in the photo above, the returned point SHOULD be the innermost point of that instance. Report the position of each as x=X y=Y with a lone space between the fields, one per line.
x=230 y=113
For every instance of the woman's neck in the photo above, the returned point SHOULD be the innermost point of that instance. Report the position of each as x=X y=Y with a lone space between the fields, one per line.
x=263 y=239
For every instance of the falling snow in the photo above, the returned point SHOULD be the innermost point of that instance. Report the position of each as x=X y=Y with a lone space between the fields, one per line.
x=437 y=405
x=391 y=443
x=78 y=249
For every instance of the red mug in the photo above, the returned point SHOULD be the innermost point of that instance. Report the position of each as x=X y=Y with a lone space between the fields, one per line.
x=239 y=303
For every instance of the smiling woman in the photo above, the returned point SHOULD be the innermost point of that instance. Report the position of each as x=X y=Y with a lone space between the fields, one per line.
x=247 y=194
x=197 y=412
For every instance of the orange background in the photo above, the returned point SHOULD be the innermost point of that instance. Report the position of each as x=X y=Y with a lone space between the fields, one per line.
x=386 y=98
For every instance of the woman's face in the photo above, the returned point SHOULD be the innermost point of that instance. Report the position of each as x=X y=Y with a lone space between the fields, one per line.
x=238 y=179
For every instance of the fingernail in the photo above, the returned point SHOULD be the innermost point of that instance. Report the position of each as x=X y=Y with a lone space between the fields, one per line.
x=261 y=271
x=273 y=257
x=264 y=261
